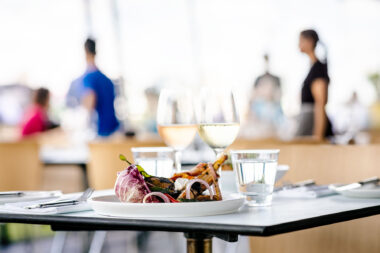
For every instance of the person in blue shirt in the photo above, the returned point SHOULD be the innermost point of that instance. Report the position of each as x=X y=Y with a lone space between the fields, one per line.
x=97 y=93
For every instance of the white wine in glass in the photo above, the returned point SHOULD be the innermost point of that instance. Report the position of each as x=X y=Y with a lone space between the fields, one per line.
x=218 y=120
x=218 y=135
x=175 y=120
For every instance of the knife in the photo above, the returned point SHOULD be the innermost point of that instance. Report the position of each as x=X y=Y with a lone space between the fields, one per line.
x=305 y=183
x=82 y=198
x=372 y=180
x=54 y=204
x=12 y=194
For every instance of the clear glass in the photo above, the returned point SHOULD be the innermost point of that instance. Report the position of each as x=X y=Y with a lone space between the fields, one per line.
x=156 y=161
x=255 y=174
x=176 y=121
x=217 y=117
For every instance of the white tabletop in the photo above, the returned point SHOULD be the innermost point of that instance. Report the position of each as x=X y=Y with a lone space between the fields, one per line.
x=285 y=215
x=283 y=210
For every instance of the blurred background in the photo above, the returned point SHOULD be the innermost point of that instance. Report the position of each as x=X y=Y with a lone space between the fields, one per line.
x=145 y=45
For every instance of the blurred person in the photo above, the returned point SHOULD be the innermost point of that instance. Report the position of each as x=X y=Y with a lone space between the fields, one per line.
x=36 y=118
x=152 y=94
x=314 y=96
x=265 y=112
x=350 y=120
x=14 y=99
x=75 y=94
x=96 y=92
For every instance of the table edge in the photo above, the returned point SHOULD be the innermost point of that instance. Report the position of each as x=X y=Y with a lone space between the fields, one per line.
x=75 y=223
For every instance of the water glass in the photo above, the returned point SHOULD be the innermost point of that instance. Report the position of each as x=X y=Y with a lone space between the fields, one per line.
x=255 y=174
x=156 y=161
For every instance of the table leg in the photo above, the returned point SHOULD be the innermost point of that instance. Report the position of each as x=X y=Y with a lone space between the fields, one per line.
x=58 y=242
x=198 y=243
x=97 y=242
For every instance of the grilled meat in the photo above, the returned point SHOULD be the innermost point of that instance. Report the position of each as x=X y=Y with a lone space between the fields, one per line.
x=161 y=184
x=208 y=174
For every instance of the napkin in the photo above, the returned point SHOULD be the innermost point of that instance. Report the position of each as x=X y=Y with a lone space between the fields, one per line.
x=19 y=207
x=313 y=191
x=31 y=196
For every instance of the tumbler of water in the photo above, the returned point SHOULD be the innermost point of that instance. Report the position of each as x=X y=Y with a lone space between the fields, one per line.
x=255 y=174
x=156 y=161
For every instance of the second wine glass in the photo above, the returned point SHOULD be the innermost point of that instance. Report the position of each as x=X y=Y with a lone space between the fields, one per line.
x=175 y=120
x=218 y=120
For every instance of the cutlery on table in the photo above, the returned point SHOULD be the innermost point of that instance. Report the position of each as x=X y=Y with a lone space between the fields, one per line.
x=308 y=182
x=12 y=194
x=372 y=180
x=85 y=195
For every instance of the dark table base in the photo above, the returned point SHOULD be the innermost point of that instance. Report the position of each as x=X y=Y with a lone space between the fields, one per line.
x=202 y=243
x=198 y=243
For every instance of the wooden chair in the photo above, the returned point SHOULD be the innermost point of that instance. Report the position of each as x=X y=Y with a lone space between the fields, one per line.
x=326 y=164
x=20 y=168
x=374 y=135
x=105 y=163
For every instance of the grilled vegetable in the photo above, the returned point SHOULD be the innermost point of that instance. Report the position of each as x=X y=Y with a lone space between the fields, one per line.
x=142 y=171
x=150 y=197
x=171 y=199
x=130 y=185
x=161 y=182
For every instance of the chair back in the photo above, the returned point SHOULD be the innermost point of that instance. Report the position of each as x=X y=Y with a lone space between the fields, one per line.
x=20 y=167
x=105 y=163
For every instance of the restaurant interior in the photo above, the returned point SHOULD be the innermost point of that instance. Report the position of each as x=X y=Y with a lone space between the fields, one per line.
x=184 y=88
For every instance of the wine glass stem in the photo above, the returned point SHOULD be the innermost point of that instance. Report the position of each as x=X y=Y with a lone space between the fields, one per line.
x=218 y=153
x=177 y=160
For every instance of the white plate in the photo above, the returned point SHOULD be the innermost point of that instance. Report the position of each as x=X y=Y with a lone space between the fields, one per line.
x=109 y=205
x=362 y=193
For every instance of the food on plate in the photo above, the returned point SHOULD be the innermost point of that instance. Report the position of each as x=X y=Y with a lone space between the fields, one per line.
x=134 y=185
x=130 y=185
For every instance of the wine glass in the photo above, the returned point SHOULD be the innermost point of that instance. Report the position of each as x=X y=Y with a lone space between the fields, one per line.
x=218 y=120
x=176 y=121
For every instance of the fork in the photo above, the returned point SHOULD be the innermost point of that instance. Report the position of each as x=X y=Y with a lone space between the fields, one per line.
x=85 y=195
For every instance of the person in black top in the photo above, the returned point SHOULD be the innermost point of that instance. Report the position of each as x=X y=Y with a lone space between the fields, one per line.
x=314 y=120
